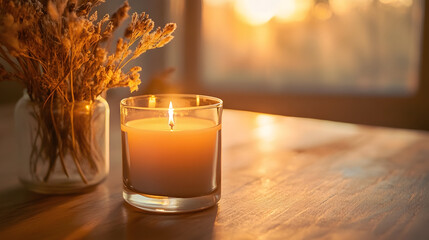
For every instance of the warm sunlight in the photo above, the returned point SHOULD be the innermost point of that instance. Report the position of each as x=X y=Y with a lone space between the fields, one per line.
x=293 y=10
x=257 y=12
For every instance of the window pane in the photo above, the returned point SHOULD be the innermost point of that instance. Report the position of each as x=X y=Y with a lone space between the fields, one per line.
x=335 y=46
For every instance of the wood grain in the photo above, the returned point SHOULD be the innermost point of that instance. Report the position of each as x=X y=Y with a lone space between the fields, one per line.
x=282 y=178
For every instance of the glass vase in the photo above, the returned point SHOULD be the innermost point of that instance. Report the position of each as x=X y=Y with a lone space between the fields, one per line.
x=62 y=148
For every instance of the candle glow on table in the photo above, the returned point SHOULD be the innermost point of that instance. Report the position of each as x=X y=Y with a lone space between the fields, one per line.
x=178 y=156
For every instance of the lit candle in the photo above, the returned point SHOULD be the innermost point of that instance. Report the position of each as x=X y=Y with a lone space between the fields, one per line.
x=171 y=153
x=172 y=157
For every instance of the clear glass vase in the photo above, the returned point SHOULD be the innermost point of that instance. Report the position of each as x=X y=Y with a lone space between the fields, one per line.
x=62 y=148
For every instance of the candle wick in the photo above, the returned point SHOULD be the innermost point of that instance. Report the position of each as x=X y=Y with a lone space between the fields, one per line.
x=171 y=125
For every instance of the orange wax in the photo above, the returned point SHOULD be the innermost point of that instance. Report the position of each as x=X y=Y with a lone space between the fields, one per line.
x=183 y=162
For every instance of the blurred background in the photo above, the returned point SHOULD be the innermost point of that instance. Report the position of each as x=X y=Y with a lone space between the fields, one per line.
x=359 y=61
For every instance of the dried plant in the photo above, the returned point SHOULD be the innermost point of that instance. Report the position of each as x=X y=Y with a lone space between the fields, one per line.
x=57 y=50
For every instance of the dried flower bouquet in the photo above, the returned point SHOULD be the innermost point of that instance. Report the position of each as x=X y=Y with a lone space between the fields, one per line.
x=57 y=50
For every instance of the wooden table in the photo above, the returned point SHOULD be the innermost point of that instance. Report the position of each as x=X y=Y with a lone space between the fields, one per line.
x=282 y=177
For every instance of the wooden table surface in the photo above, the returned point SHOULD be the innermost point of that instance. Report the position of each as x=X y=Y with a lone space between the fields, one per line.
x=282 y=178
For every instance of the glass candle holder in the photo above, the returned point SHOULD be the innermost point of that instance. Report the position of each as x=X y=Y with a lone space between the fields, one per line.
x=171 y=151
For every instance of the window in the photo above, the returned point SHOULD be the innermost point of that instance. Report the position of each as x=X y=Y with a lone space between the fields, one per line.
x=306 y=46
x=360 y=61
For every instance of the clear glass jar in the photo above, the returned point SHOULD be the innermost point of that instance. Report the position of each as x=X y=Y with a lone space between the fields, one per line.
x=171 y=149
x=62 y=148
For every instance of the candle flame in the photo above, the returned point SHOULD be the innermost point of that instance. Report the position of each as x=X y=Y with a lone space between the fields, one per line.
x=170 y=115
